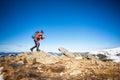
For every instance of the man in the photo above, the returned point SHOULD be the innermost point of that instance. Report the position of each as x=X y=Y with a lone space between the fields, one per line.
x=38 y=37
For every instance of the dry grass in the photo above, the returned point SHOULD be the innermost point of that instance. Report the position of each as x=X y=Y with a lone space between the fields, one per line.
x=60 y=69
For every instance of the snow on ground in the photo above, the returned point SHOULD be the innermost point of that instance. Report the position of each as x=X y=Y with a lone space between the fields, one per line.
x=113 y=54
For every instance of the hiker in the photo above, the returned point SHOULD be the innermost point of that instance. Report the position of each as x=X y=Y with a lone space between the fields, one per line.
x=37 y=37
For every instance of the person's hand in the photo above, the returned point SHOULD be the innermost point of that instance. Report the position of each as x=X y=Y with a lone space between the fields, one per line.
x=43 y=37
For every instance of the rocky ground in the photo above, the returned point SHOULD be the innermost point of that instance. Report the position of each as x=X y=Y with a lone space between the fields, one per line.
x=44 y=66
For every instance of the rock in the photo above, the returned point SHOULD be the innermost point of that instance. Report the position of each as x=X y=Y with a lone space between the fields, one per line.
x=65 y=52
x=1 y=68
x=118 y=54
x=75 y=72
x=39 y=68
x=77 y=58
x=44 y=66
x=20 y=62
x=11 y=55
x=56 y=67
x=1 y=77
x=61 y=74
x=89 y=57
x=15 y=65
x=21 y=56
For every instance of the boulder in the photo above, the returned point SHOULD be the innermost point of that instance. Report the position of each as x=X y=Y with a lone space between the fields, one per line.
x=65 y=52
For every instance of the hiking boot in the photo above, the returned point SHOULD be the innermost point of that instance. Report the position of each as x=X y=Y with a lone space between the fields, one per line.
x=31 y=49
x=38 y=50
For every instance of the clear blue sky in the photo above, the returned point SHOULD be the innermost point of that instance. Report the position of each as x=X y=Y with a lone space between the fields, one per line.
x=78 y=25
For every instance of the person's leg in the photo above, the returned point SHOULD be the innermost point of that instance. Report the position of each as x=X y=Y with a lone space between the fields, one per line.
x=34 y=46
x=38 y=44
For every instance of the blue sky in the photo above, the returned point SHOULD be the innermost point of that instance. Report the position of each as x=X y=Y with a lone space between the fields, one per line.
x=78 y=25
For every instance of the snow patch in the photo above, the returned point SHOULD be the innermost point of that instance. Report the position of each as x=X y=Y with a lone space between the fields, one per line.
x=110 y=53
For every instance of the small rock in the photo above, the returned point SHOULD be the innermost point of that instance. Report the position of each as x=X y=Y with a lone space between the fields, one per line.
x=20 y=62
x=75 y=72
x=1 y=77
x=39 y=68
x=77 y=58
x=1 y=68
x=61 y=74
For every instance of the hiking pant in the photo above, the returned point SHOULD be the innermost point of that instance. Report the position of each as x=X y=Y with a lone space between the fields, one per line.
x=37 y=44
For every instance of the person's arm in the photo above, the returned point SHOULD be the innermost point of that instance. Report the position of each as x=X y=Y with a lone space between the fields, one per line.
x=42 y=37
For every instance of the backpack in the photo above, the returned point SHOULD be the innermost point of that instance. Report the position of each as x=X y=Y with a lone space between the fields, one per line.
x=34 y=35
